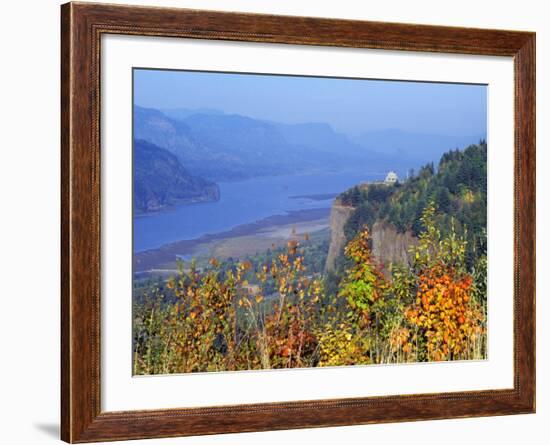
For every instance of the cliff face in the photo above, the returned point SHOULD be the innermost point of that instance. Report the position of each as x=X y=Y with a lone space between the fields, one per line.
x=339 y=215
x=388 y=245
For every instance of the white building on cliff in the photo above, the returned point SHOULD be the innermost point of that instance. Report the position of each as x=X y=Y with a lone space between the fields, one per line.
x=391 y=178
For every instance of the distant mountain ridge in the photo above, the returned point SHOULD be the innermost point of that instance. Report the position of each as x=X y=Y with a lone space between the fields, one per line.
x=225 y=147
x=414 y=147
x=203 y=149
x=321 y=136
x=184 y=113
x=222 y=147
x=160 y=181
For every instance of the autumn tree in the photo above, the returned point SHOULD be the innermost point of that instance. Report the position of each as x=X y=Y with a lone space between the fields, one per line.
x=449 y=319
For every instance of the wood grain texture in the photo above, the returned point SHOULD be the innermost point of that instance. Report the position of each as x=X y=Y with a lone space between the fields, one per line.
x=82 y=27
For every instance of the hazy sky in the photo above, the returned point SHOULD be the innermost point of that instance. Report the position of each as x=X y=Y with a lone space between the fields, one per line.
x=351 y=106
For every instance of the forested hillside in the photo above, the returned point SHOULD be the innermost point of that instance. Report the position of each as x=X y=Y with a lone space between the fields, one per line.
x=161 y=181
x=457 y=188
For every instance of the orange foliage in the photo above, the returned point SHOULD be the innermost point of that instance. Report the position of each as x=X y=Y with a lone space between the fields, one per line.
x=445 y=312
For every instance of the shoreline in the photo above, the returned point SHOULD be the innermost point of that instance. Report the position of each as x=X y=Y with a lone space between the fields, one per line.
x=317 y=196
x=269 y=229
x=174 y=206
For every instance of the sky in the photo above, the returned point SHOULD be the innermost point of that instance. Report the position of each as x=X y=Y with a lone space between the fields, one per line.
x=350 y=106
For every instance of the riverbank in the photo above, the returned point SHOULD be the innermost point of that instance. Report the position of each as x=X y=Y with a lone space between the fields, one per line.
x=242 y=240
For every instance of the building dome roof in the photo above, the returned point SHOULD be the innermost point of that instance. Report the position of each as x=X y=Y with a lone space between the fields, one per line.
x=391 y=177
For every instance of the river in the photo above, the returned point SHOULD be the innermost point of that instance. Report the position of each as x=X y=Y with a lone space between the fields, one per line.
x=242 y=202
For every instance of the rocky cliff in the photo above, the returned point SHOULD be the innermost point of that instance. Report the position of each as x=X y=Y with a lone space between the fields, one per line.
x=339 y=215
x=388 y=245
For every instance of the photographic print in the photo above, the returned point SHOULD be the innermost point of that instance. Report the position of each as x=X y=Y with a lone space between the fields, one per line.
x=297 y=222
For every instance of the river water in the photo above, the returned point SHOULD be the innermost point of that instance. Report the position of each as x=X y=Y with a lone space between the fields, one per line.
x=240 y=203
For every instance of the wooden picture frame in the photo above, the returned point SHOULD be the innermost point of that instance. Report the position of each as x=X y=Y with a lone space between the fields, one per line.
x=82 y=26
